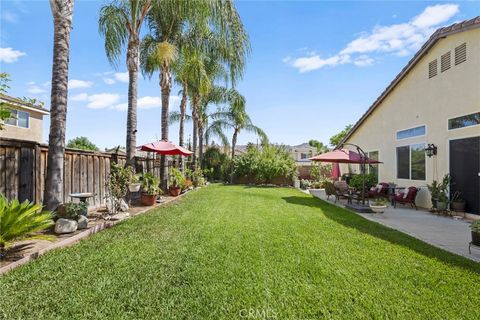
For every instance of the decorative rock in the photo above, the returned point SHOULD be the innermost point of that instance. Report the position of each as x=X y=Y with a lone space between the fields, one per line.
x=123 y=205
x=65 y=226
x=109 y=204
x=82 y=223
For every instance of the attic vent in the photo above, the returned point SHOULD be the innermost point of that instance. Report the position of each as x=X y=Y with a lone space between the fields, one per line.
x=432 y=69
x=445 y=61
x=461 y=53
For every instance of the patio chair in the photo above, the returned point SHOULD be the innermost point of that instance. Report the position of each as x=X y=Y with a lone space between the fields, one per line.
x=341 y=190
x=330 y=190
x=408 y=199
x=379 y=191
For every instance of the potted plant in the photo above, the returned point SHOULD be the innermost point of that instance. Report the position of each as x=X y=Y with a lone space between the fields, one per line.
x=379 y=205
x=135 y=184
x=458 y=203
x=176 y=180
x=438 y=193
x=475 y=227
x=442 y=202
x=150 y=189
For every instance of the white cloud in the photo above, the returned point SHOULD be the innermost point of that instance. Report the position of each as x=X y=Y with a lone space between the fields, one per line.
x=79 y=97
x=78 y=84
x=9 y=55
x=9 y=17
x=108 y=80
x=121 y=76
x=35 y=89
x=400 y=39
x=102 y=100
x=149 y=102
x=435 y=15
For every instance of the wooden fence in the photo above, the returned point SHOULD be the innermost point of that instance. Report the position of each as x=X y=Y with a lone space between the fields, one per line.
x=23 y=167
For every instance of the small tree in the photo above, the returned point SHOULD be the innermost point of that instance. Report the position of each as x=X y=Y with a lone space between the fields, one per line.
x=82 y=143
x=4 y=111
x=321 y=148
x=336 y=139
x=117 y=185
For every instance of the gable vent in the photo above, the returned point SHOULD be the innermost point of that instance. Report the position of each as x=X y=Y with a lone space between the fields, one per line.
x=445 y=61
x=432 y=69
x=461 y=53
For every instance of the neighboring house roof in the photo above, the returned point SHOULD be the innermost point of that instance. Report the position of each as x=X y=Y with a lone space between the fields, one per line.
x=24 y=104
x=437 y=35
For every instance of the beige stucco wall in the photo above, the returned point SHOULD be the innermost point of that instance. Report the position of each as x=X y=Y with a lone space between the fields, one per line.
x=33 y=133
x=418 y=100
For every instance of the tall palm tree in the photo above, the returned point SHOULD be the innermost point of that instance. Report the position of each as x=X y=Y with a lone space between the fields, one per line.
x=170 y=25
x=62 y=11
x=234 y=118
x=120 y=23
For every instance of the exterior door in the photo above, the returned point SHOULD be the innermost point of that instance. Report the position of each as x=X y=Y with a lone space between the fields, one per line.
x=465 y=171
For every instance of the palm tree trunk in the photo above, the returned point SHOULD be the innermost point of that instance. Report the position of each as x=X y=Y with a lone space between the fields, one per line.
x=181 y=130
x=132 y=65
x=234 y=142
x=166 y=86
x=62 y=12
x=200 y=143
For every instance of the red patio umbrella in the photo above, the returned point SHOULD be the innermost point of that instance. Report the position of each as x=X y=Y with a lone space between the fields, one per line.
x=166 y=148
x=342 y=156
x=335 y=171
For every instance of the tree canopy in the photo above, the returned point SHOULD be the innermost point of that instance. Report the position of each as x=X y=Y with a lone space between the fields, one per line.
x=336 y=139
x=82 y=143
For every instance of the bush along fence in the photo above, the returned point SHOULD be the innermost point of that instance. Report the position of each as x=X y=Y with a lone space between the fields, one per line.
x=23 y=167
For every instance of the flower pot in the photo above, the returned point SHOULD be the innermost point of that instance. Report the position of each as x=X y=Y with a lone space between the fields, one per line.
x=476 y=238
x=134 y=187
x=441 y=206
x=175 y=191
x=458 y=206
x=378 y=209
x=148 y=199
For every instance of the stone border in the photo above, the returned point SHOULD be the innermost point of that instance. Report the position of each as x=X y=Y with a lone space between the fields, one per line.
x=84 y=234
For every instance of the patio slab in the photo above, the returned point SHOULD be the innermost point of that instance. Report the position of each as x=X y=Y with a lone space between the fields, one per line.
x=443 y=232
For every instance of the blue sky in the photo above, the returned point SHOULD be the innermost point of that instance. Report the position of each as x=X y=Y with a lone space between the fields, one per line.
x=314 y=68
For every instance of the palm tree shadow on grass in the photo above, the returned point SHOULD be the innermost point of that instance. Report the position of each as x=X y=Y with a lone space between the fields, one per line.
x=352 y=220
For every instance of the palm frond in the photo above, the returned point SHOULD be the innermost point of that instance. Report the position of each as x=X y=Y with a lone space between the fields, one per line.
x=113 y=26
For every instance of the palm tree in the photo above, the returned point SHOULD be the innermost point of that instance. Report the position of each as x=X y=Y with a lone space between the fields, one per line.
x=62 y=11
x=120 y=23
x=172 y=24
x=234 y=118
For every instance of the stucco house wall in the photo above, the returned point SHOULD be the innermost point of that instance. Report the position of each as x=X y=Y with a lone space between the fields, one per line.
x=418 y=100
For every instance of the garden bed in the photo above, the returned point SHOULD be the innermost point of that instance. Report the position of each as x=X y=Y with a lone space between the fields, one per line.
x=27 y=250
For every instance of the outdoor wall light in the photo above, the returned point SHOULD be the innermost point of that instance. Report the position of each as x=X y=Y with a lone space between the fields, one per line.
x=431 y=150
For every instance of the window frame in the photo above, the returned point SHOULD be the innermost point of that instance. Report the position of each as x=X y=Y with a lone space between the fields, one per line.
x=417 y=126
x=16 y=113
x=462 y=115
x=410 y=161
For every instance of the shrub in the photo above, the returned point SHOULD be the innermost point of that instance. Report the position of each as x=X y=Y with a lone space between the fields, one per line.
x=19 y=220
x=321 y=172
x=215 y=164
x=117 y=184
x=175 y=178
x=265 y=165
x=150 y=184
x=475 y=226
x=305 y=184
x=356 y=181
x=197 y=178
x=73 y=210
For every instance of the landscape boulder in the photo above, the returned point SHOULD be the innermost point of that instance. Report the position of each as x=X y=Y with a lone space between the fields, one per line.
x=82 y=222
x=65 y=226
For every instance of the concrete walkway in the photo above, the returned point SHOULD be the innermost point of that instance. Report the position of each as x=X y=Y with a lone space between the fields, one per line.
x=443 y=232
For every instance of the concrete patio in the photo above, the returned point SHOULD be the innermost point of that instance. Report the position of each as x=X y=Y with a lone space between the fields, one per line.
x=443 y=232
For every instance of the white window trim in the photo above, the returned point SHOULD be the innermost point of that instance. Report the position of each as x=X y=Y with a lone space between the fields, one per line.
x=403 y=139
x=409 y=162
x=462 y=115
x=16 y=119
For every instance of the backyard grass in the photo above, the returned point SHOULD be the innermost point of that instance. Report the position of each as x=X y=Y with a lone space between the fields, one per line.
x=235 y=252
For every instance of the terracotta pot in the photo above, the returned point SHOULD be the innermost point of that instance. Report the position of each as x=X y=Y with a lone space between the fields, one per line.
x=175 y=191
x=148 y=199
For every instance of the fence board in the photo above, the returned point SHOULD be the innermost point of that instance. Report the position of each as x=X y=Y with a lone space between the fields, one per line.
x=11 y=185
x=26 y=175
x=3 y=171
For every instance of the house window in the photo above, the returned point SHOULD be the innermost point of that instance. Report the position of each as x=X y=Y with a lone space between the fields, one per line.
x=413 y=132
x=411 y=162
x=373 y=168
x=303 y=156
x=18 y=119
x=464 y=121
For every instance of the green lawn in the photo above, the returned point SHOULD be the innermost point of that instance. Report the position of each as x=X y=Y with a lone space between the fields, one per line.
x=234 y=252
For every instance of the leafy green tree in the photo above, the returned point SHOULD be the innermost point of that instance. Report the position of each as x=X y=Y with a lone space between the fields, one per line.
x=120 y=23
x=216 y=164
x=82 y=143
x=336 y=139
x=62 y=12
x=4 y=111
x=321 y=148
